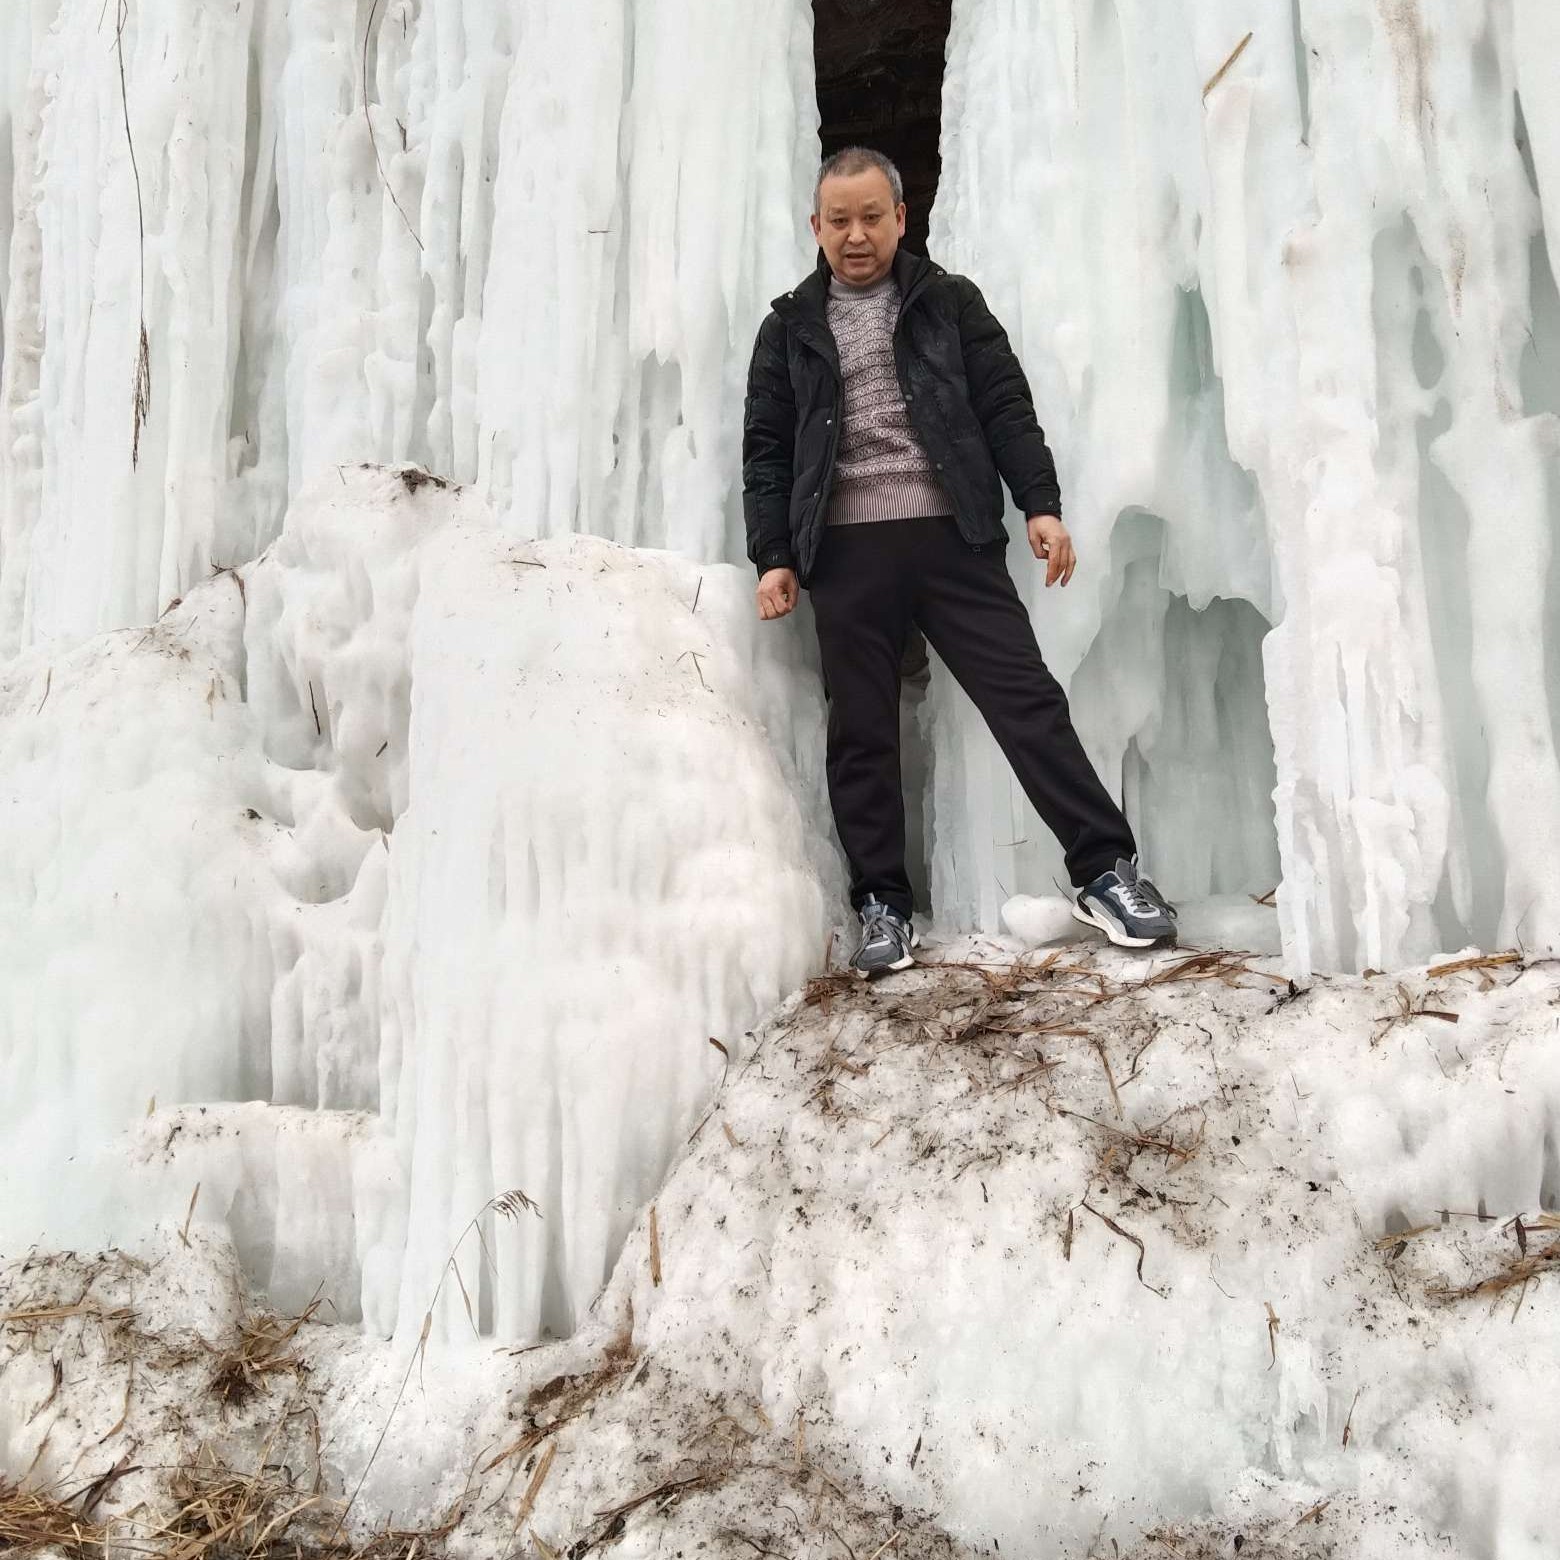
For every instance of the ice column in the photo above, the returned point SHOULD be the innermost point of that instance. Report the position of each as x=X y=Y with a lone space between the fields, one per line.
x=668 y=153
x=521 y=243
x=108 y=514
x=1344 y=193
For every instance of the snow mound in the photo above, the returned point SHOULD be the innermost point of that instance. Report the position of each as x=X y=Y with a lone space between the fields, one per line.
x=193 y=1423
x=1075 y=1247
x=1069 y=1253
x=422 y=862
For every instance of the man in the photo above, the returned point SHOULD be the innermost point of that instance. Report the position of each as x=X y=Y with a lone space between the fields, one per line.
x=883 y=402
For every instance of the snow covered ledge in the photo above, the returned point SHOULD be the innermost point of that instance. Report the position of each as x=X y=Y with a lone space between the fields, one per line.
x=410 y=863
x=1068 y=1254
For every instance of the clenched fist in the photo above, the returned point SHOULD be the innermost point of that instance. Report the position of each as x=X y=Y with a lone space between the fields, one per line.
x=777 y=593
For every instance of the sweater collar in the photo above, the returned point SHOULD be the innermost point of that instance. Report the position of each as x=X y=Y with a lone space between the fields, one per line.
x=841 y=291
x=910 y=270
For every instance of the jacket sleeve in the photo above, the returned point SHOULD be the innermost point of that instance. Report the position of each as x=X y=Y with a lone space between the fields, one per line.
x=1006 y=409
x=768 y=438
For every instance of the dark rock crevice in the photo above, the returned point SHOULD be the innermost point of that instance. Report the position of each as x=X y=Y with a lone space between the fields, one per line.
x=880 y=72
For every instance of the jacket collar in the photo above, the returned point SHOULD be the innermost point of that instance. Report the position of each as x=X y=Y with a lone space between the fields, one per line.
x=808 y=300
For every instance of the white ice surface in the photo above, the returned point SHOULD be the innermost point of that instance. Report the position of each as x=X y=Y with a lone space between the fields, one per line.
x=526 y=243
x=1295 y=335
x=358 y=869
x=448 y=843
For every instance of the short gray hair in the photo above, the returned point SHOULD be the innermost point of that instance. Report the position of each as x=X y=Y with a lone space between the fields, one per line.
x=857 y=159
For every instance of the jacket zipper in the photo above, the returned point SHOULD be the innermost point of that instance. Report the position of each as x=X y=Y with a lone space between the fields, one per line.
x=832 y=360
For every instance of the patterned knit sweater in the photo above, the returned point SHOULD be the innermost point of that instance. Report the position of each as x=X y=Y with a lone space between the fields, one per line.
x=881 y=471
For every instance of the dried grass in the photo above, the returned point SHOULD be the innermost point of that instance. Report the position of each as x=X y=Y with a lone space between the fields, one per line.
x=224 y=1514
x=1486 y=961
x=261 y=1346
x=969 y=1004
x=552 y=1404
x=1522 y=1268
x=1016 y=1025
x=34 y=1520
x=220 y=1513
x=1003 y=1025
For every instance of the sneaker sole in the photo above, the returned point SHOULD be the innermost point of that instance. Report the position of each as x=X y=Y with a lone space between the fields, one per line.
x=1114 y=932
x=883 y=969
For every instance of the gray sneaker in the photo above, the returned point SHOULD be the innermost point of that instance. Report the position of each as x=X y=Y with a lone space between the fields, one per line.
x=1126 y=907
x=886 y=940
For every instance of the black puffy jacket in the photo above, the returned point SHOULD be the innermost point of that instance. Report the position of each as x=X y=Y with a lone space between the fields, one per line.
x=965 y=393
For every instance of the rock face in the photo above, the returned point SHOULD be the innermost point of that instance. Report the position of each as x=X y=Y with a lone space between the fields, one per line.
x=880 y=74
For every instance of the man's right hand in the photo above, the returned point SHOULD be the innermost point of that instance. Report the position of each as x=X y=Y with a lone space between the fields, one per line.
x=777 y=593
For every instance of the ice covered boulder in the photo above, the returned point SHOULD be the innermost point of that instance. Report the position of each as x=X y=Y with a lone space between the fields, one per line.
x=460 y=846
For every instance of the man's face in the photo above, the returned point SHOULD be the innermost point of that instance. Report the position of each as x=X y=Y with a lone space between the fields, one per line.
x=858 y=226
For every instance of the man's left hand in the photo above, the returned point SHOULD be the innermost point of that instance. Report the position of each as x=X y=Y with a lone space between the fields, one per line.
x=1048 y=540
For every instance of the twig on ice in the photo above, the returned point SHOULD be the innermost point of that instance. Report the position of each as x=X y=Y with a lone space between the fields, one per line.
x=1218 y=75
x=368 y=120
x=1483 y=961
x=534 y=1488
x=699 y=669
x=1111 y=1224
x=142 y=397
x=1348 y=1424
x=184 y=1234
x=1110 y=1077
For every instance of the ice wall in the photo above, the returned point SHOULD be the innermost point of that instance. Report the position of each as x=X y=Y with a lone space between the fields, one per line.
x=1288 y=303
x=526 y=243
x=409 y=865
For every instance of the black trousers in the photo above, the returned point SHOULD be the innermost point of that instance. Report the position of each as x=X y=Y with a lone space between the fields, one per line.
x=873 y=580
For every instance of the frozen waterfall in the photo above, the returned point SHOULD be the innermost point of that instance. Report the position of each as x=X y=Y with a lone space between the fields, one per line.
x=1281 y=277
x=1288 y=303
x=524 y=245
x=282 y=838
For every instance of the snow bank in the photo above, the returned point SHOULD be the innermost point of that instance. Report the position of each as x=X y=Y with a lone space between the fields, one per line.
x=193 y=1421
x=1064 y=1255
x=1070 y=1254
x=409 y=864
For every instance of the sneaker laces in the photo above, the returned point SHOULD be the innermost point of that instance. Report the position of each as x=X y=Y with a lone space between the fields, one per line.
x=878 y=920
x=1142 y=898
